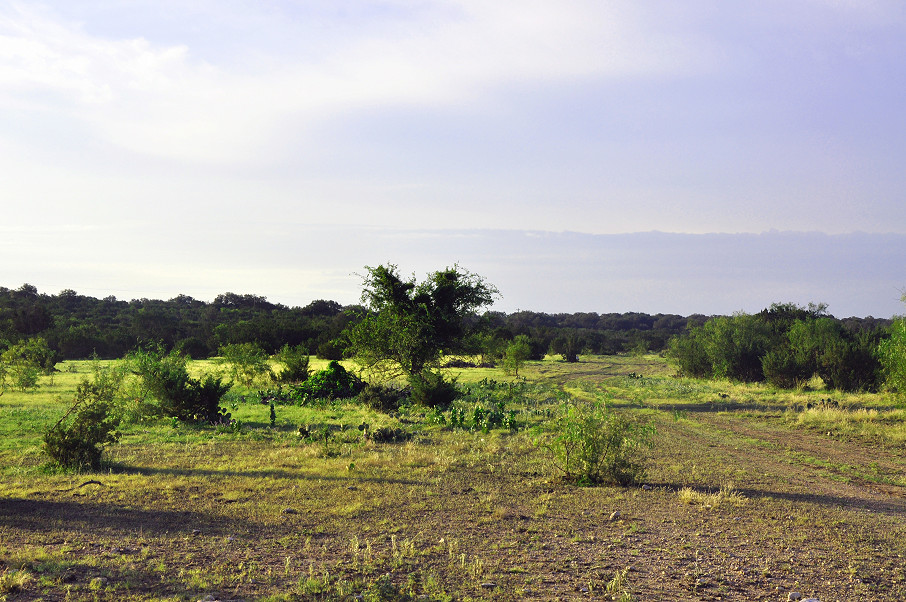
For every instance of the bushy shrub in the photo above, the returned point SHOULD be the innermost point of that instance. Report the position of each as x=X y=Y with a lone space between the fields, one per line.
x=593 y=445
x=783 y=369
x=295 y=364
x=892 y=354
x=23 y=363
x=246 y=362
x=331 y=350
x=381 y=398
x=165 y=377
x=429 y=389
x=334 y=382
x=78 y=439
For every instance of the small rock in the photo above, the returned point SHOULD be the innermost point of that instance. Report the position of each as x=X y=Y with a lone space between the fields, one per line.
x=352 y=488
x=793 y=596
x=290 y=511
x=646 y=487
x=196 y=532
x=489 y=585
x=615 y=515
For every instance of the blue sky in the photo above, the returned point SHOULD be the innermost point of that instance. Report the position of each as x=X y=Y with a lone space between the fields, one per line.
x=157 y=148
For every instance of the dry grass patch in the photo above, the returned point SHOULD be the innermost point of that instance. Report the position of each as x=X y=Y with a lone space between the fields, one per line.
x=727 y=496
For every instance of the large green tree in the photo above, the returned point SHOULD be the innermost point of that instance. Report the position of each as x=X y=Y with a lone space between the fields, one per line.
x=407 y=325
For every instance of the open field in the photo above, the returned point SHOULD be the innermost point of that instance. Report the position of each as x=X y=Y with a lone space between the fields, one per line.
x=752 y=493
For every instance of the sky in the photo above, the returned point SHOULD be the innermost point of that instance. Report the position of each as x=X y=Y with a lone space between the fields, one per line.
x=582 y=155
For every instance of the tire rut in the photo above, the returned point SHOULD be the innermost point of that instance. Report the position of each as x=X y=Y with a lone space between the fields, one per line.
x=776 y=471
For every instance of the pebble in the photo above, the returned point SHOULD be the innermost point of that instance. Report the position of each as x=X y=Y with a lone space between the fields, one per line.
x=792 y=596
x=290 y=511
x=489 y=585
x=646 y=487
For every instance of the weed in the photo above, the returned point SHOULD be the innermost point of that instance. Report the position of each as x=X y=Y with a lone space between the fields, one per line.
x=617 y=587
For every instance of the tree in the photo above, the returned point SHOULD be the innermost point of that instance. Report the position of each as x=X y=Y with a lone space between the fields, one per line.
x=407 y=326
x=517 y=353
x=568 y=345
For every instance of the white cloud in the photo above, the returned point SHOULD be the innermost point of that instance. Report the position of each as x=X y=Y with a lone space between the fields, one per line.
x=164 y=100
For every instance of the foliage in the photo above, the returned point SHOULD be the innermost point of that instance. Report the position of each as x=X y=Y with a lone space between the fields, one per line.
x=785 y=345
x=247 y=362
x=334 y=382
x=429 y=389
x=593 y=445
x=689 y=354
x=295 y=364
x=568 y=345
x=481 y=416
x=78 y=439
x=165 y=377
x=517 y=352
x=22 y=363
x=892 y=354
x=408 y=325
x=382 y=398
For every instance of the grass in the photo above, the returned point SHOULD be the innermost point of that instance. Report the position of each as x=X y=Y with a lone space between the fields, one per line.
x=726 y=496
x=258 y=512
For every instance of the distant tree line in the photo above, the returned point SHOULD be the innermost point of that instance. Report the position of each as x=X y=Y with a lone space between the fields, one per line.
x=76 y=326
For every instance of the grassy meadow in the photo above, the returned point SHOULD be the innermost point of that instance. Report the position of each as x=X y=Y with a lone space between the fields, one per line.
x=751 y=493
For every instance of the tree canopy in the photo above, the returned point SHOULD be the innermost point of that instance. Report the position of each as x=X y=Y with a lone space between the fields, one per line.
x=406 y=326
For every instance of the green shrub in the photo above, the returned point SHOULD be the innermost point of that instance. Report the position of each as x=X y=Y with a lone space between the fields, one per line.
x=334 y=382
x=23 y=363
x=166 y=378
x=295 y=362
x=381 y=398
x=783 y=369
x=78 y=439
x=892 y=355
x=331 y=350
x=429 y=389
x=246 y=362
x=593 y=445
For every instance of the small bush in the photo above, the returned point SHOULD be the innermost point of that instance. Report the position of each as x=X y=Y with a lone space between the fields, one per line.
x=429 y=389
x=334 y=382
x=78 y=439
x=382 y=399
x=593 y=445
x=295 y=362
x=246 y=362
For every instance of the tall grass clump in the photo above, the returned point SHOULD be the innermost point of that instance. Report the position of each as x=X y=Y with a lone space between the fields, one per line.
x=888 y=426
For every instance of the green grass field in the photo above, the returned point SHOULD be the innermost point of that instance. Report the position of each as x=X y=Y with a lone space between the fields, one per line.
x=751 y=493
